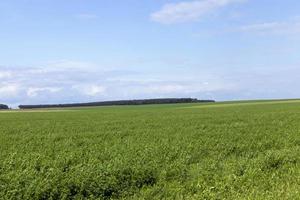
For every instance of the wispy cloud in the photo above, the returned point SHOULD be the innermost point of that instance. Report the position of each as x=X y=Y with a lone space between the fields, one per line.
x=91 y=90
x=35 y=91
x=187 y=11
x=9 y=90
x=5 y=74
x=275 y=27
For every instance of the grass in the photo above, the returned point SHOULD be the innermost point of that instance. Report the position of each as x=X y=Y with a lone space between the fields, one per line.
x=233 y=150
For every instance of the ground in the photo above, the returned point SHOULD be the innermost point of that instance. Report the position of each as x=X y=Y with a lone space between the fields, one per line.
x=231 y=150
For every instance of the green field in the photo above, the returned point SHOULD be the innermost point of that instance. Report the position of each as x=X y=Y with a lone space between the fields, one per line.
x=233 y=150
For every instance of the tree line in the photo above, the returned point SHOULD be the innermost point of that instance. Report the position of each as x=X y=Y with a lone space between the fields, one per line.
x=3 y=107
x=122 y=102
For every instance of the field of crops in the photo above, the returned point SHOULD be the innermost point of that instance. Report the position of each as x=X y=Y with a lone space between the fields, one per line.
x=234 y=150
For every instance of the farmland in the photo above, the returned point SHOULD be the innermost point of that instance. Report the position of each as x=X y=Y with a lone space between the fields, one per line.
x=233 y=150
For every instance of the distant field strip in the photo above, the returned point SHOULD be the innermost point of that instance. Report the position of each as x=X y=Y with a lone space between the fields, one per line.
x=36 y=111
x=224 y=104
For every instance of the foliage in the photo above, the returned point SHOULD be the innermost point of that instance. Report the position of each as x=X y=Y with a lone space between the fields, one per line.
x=3 y=107
x=185 y=151
x=122 y=102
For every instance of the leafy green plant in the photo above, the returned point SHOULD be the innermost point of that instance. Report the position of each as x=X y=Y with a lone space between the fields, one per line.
x=234 y=150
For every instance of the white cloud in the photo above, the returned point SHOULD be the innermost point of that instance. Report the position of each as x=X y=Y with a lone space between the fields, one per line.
x=49 y=83
x=8 y=90
x=188 y=87
x=63 y=65
x=5 y=74
x=187 y=11
x=95 y=90
x=35 y=91
x=91 y=90
x=279 y=28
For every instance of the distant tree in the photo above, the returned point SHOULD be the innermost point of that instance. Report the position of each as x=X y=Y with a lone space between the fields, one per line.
x=3 y=107
x=118 y=103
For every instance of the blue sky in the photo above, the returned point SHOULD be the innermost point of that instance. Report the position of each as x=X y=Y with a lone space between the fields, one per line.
x=54 y=51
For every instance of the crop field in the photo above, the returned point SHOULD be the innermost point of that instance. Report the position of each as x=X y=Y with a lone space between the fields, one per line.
x=233 y=150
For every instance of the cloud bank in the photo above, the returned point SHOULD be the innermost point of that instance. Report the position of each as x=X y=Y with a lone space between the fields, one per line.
x=71 y=82
x=188 y=11
x=288 y=27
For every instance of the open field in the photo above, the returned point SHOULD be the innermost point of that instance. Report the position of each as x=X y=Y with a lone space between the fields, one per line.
x=233 y=150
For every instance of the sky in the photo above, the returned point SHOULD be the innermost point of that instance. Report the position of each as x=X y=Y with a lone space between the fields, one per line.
x=66 y=51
